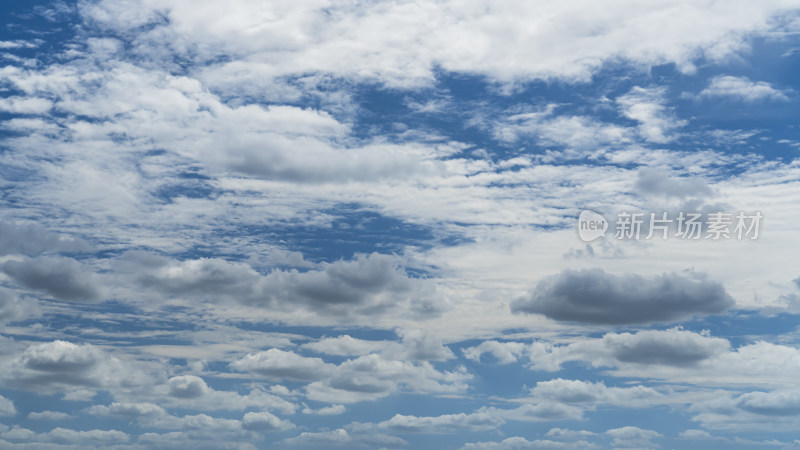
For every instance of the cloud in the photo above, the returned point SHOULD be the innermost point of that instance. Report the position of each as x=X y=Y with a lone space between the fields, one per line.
x=520 y=443
x=741 y=88
x=60 y=277
x=633 y=437
x=776 y=410
x=504 y=352
x=33 y=239
x=659 y=182
x=280 y=364
x=646 y=106
x=49 y=415
x=584 y=392
x=342 y=438
x=448 y=423
x=333 y=410
x=367 y=377
x=265 y=45
x=367 y=285
x=596 y=297
x=58 y=365
x=264 y=421
x=12 y=308
x=7 y=407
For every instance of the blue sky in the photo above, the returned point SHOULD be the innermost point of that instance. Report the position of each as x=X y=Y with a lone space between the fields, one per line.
x=352 y=224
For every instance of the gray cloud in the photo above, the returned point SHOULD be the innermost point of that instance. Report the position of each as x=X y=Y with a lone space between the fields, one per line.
x=12 y=308
x=60 y=364
x=659 y=182
x=32 y=239
x=367 y=285
x=596 y=297
x=62 y=278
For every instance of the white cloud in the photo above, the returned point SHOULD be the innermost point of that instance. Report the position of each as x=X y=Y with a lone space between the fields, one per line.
x=633 y=437
x=7 y=407
x=742 y=88
x=264 y=421
x=49 y=415
x=647 y=106
x=58 y=365
x=504 y=352
x=267 y=42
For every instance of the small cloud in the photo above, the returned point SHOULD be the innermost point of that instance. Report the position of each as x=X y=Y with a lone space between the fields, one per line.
x=743 y=89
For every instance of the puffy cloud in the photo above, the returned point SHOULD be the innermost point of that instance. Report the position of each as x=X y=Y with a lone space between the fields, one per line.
x=264 y=421
x=578 y=392
x=49 y=415
x=742 y=88
x=448 y=423
x=62 y=278
x=596 y=297
x=504 y=352
x=342 y=438
x=280 y=364
x=776 y=410
x=367 y=377
x=129 y=410
x=520 y=443
x=632 y=437
x=367 y=285
x=12 y=308
x=7 y=407
x=60 y=364
x=92 y=437
x=32 y=239
x=333 y=410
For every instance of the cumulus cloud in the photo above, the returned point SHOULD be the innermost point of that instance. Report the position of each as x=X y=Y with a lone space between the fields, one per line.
x=60 y=365
x=33 y=239
x=7 y=407
x=504 y=352
x=12 y=308
x=264 y=421
x=342 y=438
x=61 y=277
x=279 y=364
x=596 y=297
x=741 y=88
x=520 y=443
x=367 y=285
x=633 y=437
x=776 y=410
x=578 y=392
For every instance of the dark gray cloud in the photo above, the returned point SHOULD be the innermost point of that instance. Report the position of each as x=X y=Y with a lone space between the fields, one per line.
x=367 y=285
x=797 y=282
x=654 y=181
x=674 y=347
x=596 y=297
x=62 y=278
x=32 y=239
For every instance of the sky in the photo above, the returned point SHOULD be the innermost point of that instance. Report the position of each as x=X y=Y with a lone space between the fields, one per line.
x=399 y=224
